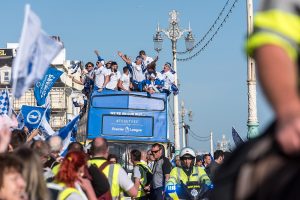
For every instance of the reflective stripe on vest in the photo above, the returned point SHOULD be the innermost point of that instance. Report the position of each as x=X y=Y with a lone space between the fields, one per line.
x=111 y=172
x=195 y=175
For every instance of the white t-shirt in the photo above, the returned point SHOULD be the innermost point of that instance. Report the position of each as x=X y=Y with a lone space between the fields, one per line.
x=169 y=78
x=124 y=181
x=100 y=74
x=137 y=72
x=147 y=61
x=125 y=81
x=113 y=81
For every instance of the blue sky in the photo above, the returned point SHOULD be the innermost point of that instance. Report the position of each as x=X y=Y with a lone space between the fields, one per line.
x=213 y=84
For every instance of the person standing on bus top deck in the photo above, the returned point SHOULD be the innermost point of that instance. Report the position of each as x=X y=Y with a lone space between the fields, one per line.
x=137 y=71
x=140 y=177
x=124 y=83
x=101 y=74
x=161 y=172
x=114 y=77
x=146 y=59
x=86 y=79
x=168 y=77
x=116 y=175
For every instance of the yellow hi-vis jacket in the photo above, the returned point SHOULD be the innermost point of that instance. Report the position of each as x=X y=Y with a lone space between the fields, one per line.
x=111 y=172
x=67 y=191
x=143 y=179
x=277 y=23
x=177 y=175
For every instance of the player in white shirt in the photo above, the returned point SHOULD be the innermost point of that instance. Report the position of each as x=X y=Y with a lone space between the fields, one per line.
x=124 y=82
x=137 y=69
x=101 y=76
x=168 y=77
x=114 y=77
x=146 y=59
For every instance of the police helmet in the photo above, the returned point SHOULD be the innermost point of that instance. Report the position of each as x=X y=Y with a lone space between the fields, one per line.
x=187 y=152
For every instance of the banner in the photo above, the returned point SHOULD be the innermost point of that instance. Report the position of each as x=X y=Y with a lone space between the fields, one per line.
x=35 y=53
x=43 y=87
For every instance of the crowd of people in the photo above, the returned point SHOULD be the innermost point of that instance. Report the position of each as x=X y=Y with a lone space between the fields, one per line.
x=37 y=169
x=139 y=75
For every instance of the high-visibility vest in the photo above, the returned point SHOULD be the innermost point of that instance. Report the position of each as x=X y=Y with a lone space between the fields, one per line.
x=67 y=191
x=143 y=179
x=111 y=172
x=177 y=175
x=276 y=27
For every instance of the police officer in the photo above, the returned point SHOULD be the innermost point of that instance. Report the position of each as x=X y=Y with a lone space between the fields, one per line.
x=187 y=175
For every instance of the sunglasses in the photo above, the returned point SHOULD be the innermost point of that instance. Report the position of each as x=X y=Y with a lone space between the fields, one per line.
x=155 y=151
x=187 y=158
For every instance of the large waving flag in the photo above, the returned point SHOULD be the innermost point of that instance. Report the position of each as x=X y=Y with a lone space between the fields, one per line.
x=67 y=133
x=35 y=53
x=45 y=128
x=32 y=116
x=236 y=138
x=43 y=87
x=4 y=102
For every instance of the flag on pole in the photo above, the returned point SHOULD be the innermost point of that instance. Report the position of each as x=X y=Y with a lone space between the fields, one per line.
x=35 y=53
x=67 y=133
x=43 y=87
x=4 y=102
x=236 y=138
x=32 y=116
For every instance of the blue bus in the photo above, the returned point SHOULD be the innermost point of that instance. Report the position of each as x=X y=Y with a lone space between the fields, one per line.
x=128 y=120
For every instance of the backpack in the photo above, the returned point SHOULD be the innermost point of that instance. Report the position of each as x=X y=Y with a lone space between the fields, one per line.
x=99 y=181
x=259 y=170
x=146 y=174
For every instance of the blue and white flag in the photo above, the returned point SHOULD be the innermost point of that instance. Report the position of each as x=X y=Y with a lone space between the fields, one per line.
x=75 y=65
x=4 y=102
x=67 y=133
x=35 y=53
x=43 y=87
x=45 y=128
x=32 y=116
x=236 y=138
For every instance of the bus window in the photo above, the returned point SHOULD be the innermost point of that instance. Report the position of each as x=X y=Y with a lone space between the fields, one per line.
x=128 y=102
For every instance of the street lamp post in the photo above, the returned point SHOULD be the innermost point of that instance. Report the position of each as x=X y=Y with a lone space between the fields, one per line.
x=251 y=82
x=174 y=33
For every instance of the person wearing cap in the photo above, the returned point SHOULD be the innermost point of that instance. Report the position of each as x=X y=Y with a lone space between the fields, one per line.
x=187 y=173
x=101 y=74
x=137 y=71
x=168 y=78
x=86 y=79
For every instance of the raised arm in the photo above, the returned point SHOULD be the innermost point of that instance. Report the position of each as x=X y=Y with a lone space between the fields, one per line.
x=126 y=60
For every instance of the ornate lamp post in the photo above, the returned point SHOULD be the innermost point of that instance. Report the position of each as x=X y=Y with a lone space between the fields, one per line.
x=174 y=33
x=251 y=82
